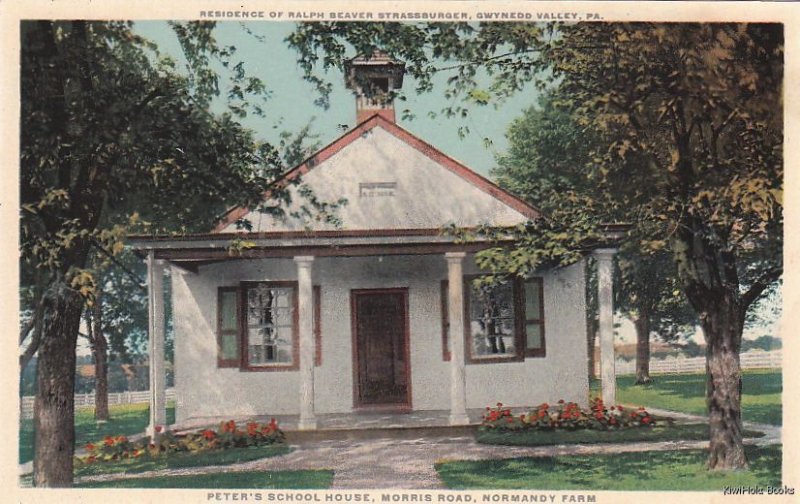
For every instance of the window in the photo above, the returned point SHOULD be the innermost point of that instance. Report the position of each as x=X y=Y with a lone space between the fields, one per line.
x=504 y=321
x=270 y=325
x=257 y=326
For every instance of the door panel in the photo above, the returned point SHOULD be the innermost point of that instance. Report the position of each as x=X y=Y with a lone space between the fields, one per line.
x=381 y=347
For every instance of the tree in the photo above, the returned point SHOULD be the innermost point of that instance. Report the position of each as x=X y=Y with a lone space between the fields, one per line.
x=547 y=162
x=691 y=121
x=114 y=136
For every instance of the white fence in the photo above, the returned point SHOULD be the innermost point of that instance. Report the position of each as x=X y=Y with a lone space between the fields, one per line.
x=680 y=364
x=83 y=400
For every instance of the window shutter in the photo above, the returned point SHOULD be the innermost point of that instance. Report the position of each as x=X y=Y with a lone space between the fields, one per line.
x=534 y=317
x=228 y=327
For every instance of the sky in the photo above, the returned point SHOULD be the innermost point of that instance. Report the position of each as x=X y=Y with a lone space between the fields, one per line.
x=292 y=102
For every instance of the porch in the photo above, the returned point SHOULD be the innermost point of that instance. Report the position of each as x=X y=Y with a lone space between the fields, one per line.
x=361 y=425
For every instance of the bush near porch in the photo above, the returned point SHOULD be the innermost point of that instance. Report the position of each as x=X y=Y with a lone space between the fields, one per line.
x=193 y=449
x=567 y=416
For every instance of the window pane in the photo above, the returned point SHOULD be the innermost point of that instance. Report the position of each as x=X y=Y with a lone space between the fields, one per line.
x=533 y=301
x=492 y=320
x=533 y=333
x=270 y=324
x=227 y=310
x=230 y=347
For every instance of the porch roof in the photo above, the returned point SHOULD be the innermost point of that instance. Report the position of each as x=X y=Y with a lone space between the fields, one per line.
x=194 y=250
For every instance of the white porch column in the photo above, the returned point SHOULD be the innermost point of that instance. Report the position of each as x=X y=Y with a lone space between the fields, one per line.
x=305 y=329
x=605 y=302
x=455 y=308
x=155 y=349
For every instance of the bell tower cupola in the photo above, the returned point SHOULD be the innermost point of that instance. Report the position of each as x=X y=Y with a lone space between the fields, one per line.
x=374 y=81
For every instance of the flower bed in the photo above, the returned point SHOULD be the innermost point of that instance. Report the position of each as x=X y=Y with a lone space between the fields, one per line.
x=228 y=435
x=566 y=416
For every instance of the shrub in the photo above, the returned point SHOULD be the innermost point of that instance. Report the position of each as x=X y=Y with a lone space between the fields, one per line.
x=566 y=416
x=227 y=436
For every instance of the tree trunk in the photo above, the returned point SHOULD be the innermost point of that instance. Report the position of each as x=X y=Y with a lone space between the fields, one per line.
x=722 y=327
x=100 y=351
x=54 y=418
x=642 y=324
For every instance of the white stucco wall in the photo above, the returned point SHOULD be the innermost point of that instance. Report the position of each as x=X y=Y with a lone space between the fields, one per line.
x=427 y=195
x=203 y=389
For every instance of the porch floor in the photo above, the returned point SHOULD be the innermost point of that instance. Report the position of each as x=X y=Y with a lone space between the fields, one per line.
x=331 y=423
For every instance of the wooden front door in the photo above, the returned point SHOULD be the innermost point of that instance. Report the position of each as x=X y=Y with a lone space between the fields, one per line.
x=380 y=342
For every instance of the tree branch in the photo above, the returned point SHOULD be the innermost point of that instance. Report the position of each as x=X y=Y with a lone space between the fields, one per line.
x=759 y=286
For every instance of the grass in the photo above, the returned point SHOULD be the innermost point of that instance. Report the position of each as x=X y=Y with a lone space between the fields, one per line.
x=245 y=479
x=183 y=460
x=761 y=394
x=689 y=432
x=126 y=419
x=645 y=471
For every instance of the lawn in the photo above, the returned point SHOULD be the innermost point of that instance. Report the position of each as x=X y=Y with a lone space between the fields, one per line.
x=761 y=394
x=646 y=471
x=126 y=419
x=244 y=479
x=690 y=432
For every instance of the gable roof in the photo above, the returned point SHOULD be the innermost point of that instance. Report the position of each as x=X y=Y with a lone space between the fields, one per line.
x=361 y=130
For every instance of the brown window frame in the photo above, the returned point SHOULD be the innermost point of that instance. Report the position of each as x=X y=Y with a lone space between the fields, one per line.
x=235 y=362
x=520 y=322
x=317 y=307
x=444 y=293
x=245 y=364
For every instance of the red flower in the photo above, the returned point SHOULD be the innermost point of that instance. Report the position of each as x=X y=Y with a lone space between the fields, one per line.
x=121 y=439
x=499 y=405
x=561 y=401
x=91 y=459
x=209 y=434
x=137 y=453
x=541 y=414
x=90 y=447
x=108 y=441
x=599 y=416
x=510 y=420
x=273 y=423
x=158 y=428
x=646 y=420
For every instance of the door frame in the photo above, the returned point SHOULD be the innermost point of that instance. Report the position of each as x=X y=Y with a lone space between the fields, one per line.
x=354 y=294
